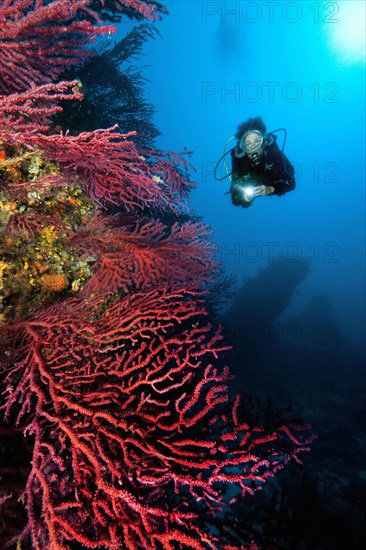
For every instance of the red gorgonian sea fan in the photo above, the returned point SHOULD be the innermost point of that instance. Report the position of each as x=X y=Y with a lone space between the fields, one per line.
x=140 y=253
x=106 y=163
x=114 y=172
x=39 y=39
x=131 y=423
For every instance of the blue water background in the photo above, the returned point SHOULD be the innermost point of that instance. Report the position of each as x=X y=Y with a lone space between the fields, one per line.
x=219 y=63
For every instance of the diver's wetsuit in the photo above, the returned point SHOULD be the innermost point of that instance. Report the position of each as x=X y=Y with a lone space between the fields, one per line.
x=274 y=169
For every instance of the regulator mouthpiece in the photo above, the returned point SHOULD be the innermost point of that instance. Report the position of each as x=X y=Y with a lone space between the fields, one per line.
x=255 y=159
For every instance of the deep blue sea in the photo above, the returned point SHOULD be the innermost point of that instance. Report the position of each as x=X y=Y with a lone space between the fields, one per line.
x=300 y=66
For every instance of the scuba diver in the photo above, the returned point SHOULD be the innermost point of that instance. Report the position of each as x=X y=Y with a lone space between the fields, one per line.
x=259 y=167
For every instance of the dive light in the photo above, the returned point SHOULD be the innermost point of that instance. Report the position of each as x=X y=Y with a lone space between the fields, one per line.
x=248 y=192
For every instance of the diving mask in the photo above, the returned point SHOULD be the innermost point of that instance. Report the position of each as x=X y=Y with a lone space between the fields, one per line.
x=251 y=141
x=250 y=144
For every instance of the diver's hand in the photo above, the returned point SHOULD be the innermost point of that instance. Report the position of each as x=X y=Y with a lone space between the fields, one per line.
x=248 y=198
x=262 y=190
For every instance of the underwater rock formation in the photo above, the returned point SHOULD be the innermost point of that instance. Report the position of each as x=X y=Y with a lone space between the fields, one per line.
x=318 y=324
x=119 y=430
x=261 y=300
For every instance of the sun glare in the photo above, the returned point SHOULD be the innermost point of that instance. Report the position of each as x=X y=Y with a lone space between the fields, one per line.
x=347 y=32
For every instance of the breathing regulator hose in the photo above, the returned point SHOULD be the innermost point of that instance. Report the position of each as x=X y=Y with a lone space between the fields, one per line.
x=228 y=174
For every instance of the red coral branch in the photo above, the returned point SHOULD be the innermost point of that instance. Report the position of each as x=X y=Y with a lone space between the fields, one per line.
x=148 y=8
x=142 y=254
x=114 y=172
x=28 y=113
x=110 y=168
x=118 y=394
x=38 y=40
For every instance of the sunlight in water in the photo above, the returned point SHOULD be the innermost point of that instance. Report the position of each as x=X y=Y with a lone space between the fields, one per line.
x=347 y=32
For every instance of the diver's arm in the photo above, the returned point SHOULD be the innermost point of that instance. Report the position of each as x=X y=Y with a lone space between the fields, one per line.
x=284 y=176
x=281 y=187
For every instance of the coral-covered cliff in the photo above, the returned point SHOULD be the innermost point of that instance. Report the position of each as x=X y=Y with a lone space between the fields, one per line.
x=118 y=427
